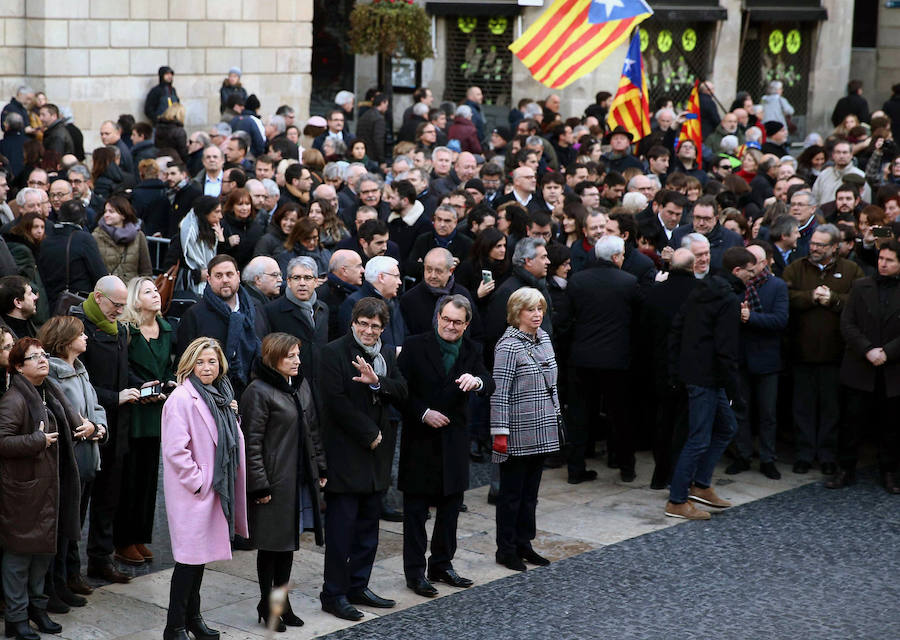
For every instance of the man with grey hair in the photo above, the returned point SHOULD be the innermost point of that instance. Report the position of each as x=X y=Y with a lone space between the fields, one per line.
x=418 y=114
x=300 y=312
x=348 y=195
x=382 y=281
x=698 y=245
x=600 y=304
x=344 y=100
x=530 y=263
x=464 y=169
x=803 y=210
x=762 y=186
x=464 y=130
x=20 y=103
x=12 y=147
x=418 y=304
x=275 y=127
x=262 y=280
x=818 y=288
x=28 y=200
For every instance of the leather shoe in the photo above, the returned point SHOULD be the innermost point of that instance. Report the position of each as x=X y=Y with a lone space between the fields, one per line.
x=129 y=555
x=627 y=475
x=530 y=555
x=475 y=454
x=390 y=514
x=422 y=587
x=146 y=554
x=890 y=483
x=21 y=631
x=449 y=576
x=175 y=633
x=197 y=626
x=79 y=586
x=43 y=621
x=492 y=498
x=511 y=562
x=341 y=608
x=367 y=598
x=64 y=594
x=107 y=572
x=829 y=468
x=843 y=478
x=769 y=470
x=463 y=508
x=739 y=464
x=584 y=476
x=802 y=466
x=55 y=604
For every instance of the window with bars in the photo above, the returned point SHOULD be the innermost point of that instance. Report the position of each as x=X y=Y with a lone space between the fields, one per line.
x=777 y=51
x=675 y=54
x=478 y=54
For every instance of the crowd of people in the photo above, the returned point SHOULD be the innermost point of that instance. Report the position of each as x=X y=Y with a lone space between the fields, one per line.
x=460 y=292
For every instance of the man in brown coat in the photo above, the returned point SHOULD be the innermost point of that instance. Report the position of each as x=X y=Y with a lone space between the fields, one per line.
x=818 y=287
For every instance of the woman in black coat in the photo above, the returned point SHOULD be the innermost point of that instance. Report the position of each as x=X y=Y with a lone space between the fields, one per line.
x=106 y=174
x=285 y=466
x=359 y=379
x=442 y=367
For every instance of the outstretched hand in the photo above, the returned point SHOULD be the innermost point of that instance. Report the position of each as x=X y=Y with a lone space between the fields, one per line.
x=367 y=374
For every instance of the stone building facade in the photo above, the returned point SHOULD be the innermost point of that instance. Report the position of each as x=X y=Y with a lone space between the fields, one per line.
x=99 y=58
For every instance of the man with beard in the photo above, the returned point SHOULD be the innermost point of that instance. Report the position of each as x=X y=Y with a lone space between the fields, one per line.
x=407 y=220
x=830 y=178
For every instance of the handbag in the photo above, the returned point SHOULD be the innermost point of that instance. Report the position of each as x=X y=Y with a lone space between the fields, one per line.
x=67 y=298
x=165 y=284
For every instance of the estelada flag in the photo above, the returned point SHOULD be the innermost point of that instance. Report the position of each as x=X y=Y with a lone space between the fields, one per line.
x=572 y=37
x=691 y=129
x=631 y=106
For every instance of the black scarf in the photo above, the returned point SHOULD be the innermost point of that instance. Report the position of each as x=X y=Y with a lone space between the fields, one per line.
x=241 y=342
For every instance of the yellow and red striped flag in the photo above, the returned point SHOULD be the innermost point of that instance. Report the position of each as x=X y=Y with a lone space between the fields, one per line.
x=572 y=37
x=691 y=129
x=631 y=106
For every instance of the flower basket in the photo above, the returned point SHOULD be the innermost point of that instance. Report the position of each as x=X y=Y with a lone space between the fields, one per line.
x=390 y=26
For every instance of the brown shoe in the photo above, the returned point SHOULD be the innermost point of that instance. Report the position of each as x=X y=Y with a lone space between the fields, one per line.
x=708 y=497
x=107 y=571
x=686 y=511
x=79 y=586
x=129 y=555
x=146 y=554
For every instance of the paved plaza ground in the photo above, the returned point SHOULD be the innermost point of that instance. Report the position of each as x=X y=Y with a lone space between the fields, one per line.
x=790 y=560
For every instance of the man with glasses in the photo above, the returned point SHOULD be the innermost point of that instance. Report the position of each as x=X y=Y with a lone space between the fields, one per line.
x=106 y=361
x=38 y=179
x=300 y=312
x=335 y=131
x=803 y=210
x=382 y=281
x=359 y=384
x=523 y=191
x=706 y=223
x=262 y=280
x=444 y=235
x=443 y=367
x=818 y=287
x=722 y=168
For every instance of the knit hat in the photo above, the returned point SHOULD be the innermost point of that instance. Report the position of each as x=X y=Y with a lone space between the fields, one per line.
x=477 y=184
x=504 y=133
x=773 y=127
x=235 y=70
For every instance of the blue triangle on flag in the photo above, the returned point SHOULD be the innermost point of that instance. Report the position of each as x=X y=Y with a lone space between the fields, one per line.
x=607 y=10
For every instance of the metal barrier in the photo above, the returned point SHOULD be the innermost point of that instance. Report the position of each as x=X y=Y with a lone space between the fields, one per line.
x=158 y=248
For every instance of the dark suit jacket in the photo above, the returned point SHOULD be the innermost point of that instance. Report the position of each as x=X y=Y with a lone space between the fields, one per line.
x=418 y=308
x=435 y=462
x=867 y=324
x=719 y=238
x=283 y=315
x=354 y=414
x=414 y=267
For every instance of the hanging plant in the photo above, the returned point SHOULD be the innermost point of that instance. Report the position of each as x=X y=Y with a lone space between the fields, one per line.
x=389 y=26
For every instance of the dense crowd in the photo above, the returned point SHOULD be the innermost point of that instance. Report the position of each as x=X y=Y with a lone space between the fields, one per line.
x=273 y=308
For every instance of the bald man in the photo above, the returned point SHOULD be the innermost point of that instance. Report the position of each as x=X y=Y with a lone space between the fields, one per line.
x=345 y=275
x=524 y=191
x=464 y=169
x=106 y=361
x=262 y=280
x=661 y=304
x=417 y=305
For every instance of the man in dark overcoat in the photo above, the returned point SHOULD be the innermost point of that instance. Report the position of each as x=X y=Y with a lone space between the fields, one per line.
x=442 y=366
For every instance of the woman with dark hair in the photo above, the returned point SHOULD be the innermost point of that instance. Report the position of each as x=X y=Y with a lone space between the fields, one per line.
x=105 y=173
x=512 y=219
x=240 y=228
x=65 y=340
x=285 y=467
x=203 y=479
x=24 y=242
x=201 y=233
x=331 y=228
x=426 y=136
x=490 y=253
x=40 y=492
x=314 y=161
x=810 y=162
x=122 y=244
x=304 y=241
x=735 y=221
x=571 y=231
x=32 y=152
x=283 y=220
x=359 y=152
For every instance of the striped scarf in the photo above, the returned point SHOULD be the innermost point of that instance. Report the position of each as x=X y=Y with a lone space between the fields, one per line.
x=752 y=295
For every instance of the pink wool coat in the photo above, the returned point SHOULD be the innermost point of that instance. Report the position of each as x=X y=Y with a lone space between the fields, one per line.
x=197 y=525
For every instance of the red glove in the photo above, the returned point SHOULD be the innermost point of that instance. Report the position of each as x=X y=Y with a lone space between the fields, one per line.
x=500 y=444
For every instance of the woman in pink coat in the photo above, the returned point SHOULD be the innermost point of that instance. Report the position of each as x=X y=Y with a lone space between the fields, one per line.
x=203 y=480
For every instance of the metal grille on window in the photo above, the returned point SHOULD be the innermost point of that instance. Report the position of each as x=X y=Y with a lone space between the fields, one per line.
x=478 y=53
x=675 y=54
x=777 y=51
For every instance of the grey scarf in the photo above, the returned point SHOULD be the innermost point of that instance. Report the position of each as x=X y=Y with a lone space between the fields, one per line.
x=442 y=291
x=374 y=353
x=307 y=306
x=218 y=398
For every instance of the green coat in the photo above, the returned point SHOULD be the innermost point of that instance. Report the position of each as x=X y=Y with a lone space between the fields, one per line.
x=149 y=361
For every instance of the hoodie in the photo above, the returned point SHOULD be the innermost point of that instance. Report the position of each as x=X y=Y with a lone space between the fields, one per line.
x=161 y=97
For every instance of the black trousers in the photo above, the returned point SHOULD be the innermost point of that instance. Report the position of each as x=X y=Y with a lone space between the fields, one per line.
x=273 y=568
x=670 y=432
x=415 y=538
x=73 y=556
x=879 y=411
x=351 y=540
x=817 y=411
x=184 y=594
x=134 y=516
x=104 y=504
x=520 y=480
x=590 y=387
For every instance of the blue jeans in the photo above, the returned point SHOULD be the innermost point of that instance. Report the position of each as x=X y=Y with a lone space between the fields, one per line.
x=711 y=426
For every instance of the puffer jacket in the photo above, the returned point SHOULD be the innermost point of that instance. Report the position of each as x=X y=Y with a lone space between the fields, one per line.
x=124 y=260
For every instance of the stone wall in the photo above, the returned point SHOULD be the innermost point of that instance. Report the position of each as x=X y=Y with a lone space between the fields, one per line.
x=100 y=57
x=888 y=56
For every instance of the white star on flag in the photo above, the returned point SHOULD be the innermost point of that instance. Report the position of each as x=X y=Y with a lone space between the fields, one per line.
x=610 y=5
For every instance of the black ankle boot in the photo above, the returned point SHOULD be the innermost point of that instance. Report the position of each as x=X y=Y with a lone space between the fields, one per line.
x=43 y=621
x=289 y=617
x=197 y=626
x=175 y=633
x=21 y=631
x=263 y=610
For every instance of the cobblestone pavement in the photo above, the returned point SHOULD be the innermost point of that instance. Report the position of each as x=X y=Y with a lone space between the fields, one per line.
x=790 y=560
